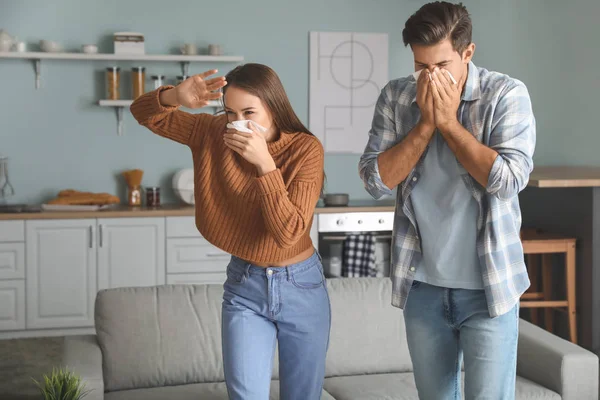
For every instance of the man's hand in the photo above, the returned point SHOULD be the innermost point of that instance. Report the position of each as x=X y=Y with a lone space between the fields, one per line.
x=425 y=101
x=446 y=99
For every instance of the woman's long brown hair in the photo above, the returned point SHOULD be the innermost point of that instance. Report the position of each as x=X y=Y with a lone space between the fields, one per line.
x=262 y=82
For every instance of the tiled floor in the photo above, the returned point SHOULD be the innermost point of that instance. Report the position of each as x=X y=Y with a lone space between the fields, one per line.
x=24 y=359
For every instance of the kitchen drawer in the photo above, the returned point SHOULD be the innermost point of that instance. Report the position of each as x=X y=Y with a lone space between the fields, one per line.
x=217 y=278
x=182 y=227
x=12 y=305
x=12 y=231
x=12 y=260
x=194 y=255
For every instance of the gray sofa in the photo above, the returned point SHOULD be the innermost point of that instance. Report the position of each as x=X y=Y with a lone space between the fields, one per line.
x=165 y=343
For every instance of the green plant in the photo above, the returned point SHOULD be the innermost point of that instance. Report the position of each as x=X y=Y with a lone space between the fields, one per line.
x=62 y=384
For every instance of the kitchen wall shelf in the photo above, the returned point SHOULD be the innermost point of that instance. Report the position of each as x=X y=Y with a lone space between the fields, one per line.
x=185 y=60
x=119 y=105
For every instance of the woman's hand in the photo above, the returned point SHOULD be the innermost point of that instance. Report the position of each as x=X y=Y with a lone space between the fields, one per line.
x=252 y=147
x=194 y=92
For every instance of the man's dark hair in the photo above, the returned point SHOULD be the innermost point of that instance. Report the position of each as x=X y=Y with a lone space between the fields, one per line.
x=437 y=21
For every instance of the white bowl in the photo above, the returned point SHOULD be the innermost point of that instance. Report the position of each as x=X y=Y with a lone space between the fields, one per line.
x=49 y=46
x=89 y=48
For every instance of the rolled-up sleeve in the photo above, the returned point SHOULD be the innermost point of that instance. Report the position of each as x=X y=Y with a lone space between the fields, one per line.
x=382 y=136
x=513 y=138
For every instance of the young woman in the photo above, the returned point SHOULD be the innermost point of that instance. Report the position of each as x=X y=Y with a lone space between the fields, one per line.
x=255 y=195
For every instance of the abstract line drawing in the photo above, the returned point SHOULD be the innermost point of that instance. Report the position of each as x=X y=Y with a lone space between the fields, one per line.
x=347 y=72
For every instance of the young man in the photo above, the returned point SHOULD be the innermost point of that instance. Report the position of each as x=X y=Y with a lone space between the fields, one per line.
x=458 y=142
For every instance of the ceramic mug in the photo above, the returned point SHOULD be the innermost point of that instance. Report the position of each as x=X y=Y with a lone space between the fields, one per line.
x=189 y=49
x=214 y=50
x=20 y=47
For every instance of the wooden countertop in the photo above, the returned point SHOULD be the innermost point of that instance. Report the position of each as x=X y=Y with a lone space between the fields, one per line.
x=563 y=177
x=173 y=210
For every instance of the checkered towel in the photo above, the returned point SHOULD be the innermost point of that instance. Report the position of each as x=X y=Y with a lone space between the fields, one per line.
x=359 y=256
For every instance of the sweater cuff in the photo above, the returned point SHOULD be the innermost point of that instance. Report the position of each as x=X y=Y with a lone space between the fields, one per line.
x=156 y=97
x=270 y=183
x=148 y=104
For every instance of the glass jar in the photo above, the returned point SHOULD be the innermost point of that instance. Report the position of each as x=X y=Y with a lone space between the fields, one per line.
x=152 y=196
x=138 y=80
x=158 y=80
x=134 y=196
x=113 y=79
x=181 y=78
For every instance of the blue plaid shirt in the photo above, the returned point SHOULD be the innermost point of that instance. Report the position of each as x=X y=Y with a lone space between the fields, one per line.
x=496 y=109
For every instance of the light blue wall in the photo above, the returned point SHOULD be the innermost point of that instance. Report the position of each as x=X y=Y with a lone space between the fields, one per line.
x=57 y=138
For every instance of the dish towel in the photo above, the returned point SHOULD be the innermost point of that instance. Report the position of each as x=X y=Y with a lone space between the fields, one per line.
x=359 y=256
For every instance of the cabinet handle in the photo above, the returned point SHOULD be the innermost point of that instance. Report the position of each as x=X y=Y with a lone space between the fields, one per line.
x=91 y=237
x=101 y=235
x=216 y=254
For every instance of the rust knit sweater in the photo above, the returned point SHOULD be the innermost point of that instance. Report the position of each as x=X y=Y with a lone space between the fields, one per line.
x=259 y=219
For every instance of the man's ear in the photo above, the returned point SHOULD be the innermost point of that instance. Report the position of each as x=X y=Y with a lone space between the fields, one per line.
x=467 y=54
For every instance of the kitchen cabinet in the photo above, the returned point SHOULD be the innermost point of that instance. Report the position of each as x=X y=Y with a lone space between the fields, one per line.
x=191 y=259
x=60 y=273
x=12 y=261
x=131 y=252
x=68 y=261
x=12 y=304
x=51 y=268
x=12 y=275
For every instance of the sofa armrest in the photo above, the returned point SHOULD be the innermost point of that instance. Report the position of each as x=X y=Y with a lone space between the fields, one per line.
x=556 y=364
x=83 y=356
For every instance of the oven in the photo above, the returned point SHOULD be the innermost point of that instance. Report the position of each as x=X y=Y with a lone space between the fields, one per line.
x=334 y=228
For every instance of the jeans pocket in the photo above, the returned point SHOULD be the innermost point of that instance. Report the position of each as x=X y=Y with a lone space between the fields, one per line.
x=311 y=278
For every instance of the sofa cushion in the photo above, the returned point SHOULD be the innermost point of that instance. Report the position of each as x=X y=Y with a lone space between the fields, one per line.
x=160 y=336
x=203 y=391
x=402 y=387
x=370 y=387
x=367 y=333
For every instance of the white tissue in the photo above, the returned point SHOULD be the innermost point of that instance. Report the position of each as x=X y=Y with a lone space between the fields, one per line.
x=417 y=73
x=243 y=126
x=451 y=77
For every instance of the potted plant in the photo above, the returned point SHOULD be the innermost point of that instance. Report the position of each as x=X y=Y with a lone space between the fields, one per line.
x=62 y=384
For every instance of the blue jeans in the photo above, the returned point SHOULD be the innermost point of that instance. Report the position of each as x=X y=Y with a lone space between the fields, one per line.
x=443 y=326
x=289 y=305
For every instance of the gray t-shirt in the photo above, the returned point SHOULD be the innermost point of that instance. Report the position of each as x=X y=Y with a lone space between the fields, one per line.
x=446 y=214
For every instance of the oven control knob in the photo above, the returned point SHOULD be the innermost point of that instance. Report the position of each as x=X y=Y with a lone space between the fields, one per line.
x=381 y=221
x=340 y=222
x=360 y=221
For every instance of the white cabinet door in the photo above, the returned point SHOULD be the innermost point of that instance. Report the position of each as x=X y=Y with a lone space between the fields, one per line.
x=12 y=260
x=61 y=273
x=131 y=252
x=192 y=255
x=12 y=305
x=12 y=231
x=182 y=227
